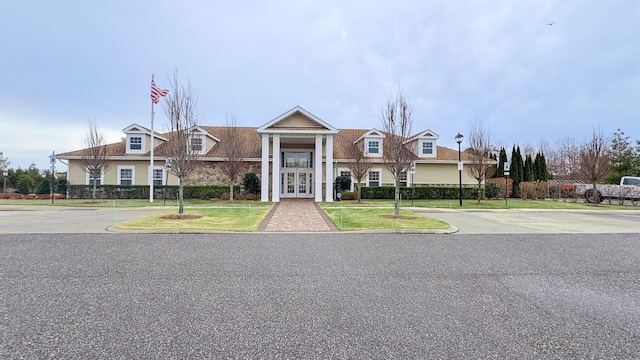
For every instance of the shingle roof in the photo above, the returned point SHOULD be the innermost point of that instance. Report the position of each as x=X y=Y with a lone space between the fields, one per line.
x=253 y=145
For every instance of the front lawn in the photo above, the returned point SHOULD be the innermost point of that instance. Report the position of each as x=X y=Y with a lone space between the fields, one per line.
x=208 y=219
x=347 y=219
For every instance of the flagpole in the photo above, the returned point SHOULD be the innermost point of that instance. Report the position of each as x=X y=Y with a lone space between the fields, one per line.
x=151 y=157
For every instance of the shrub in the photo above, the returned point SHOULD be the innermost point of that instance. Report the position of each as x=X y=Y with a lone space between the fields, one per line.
x=342 y=184
x=419 y=192
x=44 y=187
x=25 y=184
x=349 y=195
x=251 y=183
x=492 y=190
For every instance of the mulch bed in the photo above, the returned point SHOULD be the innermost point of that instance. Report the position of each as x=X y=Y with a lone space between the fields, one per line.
x=399 y=217
x=178 y=217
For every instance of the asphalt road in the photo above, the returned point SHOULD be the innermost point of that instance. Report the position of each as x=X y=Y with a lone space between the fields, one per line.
x=297 y=296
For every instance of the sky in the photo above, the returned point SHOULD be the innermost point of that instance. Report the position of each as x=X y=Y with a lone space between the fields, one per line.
x=65 y=63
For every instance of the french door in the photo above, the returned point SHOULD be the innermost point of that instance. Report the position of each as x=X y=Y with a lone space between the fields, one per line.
x=296 y=183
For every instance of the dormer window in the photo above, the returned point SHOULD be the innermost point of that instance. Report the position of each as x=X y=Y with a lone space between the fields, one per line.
x=373 y=147
x=427 y=148
x=135 y=143
x=196 y=143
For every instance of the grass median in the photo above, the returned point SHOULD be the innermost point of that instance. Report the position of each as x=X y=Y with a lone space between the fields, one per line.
x=224 y=218
x=353 y=219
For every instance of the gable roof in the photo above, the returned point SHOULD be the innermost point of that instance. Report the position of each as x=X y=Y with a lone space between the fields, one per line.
x=297 y=120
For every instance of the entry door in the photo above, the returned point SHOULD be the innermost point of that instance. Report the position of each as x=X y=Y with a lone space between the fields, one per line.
x=297 y=183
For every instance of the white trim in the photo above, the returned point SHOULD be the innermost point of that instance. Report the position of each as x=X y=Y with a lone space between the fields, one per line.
x=318 y=169
x=366 y=147
x=143 y=144
x=379 y=171
x=164 y=174
x=264 y=169
x=434 y=148
x=373 y=133
x=125 y=167
x=275 y=176
x=265 y=128
x=328 y=168
x=137 y=129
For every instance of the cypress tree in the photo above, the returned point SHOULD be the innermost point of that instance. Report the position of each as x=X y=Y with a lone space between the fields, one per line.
x=528 y=174
x=543 y=168
x=501 y=160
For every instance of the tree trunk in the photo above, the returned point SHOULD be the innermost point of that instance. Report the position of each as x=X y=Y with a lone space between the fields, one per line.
x=479 y=191
x=359 y=185
x=396 y=206
x=180 y=197
x=231 y=192
x=93 y=191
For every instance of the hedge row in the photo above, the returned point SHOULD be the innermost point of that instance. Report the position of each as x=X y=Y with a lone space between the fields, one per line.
x=142 y=191
x=419 y=192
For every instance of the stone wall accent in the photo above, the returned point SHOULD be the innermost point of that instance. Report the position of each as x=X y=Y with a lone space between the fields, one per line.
x=211 y=173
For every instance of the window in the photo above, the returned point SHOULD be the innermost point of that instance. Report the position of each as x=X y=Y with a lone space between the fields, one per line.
x=345 y=173
x=98 y=181
x=403 y=179
x=427 y=148
x=135 y=143
x=196 y=143
x=374 y=147
x=374 y=178
x=126 y=176
x=158 y=177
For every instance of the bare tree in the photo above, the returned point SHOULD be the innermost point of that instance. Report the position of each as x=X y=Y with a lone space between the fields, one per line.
x=480 y=148
x=396 y=122
x=357 y=162
x=232 y=147
x=95 y=155
x=180 y=106
x=563 y=159
x=595 y=164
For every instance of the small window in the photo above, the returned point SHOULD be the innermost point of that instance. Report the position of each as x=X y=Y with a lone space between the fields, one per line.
x=196 y=143
x=427 y=148
x=135 y=143
x=374 y=178
x=158 y=177
x=374 y=147
x=345 y=173
x=126 y=176
x=403 y=179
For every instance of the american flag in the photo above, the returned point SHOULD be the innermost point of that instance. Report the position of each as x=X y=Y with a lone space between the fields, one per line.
x=156 y=92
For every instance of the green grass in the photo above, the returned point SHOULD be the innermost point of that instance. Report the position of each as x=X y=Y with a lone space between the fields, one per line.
x=380 y=218
x=212 y=219
x=131 y=203
x=485 y=204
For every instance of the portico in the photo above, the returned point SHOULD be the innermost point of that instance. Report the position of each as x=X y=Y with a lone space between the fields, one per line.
x=297 y=157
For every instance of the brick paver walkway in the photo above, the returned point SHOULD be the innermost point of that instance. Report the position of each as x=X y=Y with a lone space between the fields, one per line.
x=297 y=215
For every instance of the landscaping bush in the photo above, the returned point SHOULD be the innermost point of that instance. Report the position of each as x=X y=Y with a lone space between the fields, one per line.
x=25 y=184
x=142 y=191
x=349 y=195
x=251 y=183
x=492 y=190
x=342 y=184
x=44 y=187
x=419 y=192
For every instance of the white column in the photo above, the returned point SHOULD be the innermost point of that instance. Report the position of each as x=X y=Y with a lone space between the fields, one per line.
x=275 y=184
x=329 y=168
x=317 y=187
x=264 y=185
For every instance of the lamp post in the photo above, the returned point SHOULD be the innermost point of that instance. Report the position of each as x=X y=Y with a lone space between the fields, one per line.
x=459 y=141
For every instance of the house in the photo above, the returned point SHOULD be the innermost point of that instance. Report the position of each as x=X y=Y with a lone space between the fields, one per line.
x=296 y=155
